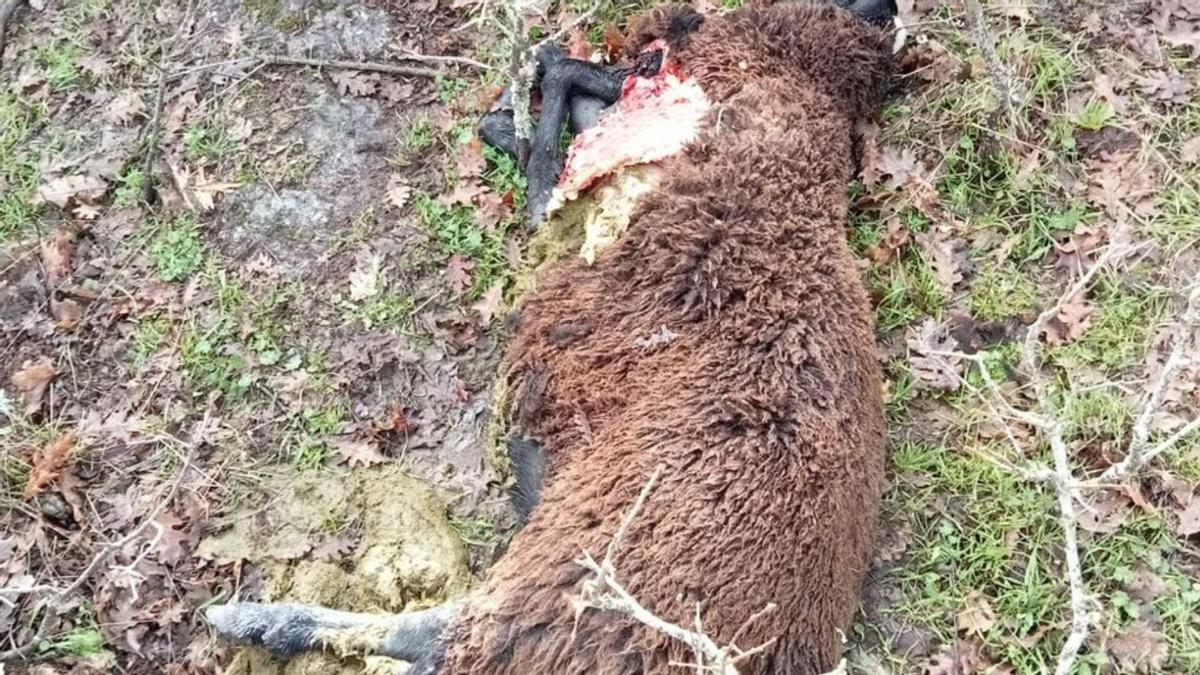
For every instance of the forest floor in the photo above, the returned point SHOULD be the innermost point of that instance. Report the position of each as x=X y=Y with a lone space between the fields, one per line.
x=275 y=380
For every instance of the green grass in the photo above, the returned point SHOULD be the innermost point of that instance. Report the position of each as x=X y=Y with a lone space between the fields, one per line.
x=456 y=232
x=1120 y=328
x=907 y=291
x=130 y=186
x=56 y=61
x=18 y=164
x=1002 y=291
x=176 y=248
x=207 y=142
x=978 y=528
x=420 y=135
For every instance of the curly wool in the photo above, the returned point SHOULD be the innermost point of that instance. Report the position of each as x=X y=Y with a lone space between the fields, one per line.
x=765 y=406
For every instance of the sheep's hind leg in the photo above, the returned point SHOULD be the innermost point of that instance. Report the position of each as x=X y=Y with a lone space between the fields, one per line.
x=287 y=629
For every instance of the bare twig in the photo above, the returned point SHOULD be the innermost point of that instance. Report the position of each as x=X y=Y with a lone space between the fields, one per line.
x=151 y=145
x=434 y=58
x=7 y=10
x=391 y=68
x=1138 y=454
x=52 y=608
x=605 y=592
x=1002 y=80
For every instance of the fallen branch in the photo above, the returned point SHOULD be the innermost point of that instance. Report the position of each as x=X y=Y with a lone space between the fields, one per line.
x=1138 y=454
x=371 y=66
x=151 y=145
x=1002 y=80
x=7 y=10
x=604 y=592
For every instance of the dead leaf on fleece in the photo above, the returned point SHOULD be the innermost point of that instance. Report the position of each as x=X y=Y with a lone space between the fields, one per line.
x=32 y=379
x=1070 y=323
x=976 y=617
x=47 y=463
x=490 y=304
x=578 y=46
x=1140 y=649
x=357 y=452
x=932 y=369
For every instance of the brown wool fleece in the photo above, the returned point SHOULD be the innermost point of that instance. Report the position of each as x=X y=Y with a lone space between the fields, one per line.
x=765 y=408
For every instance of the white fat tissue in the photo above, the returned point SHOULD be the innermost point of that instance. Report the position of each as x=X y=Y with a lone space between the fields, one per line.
x=655 y=118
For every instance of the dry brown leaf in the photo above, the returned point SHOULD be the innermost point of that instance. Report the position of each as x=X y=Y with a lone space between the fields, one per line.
x=32 y=379
x=357 y=453
x=1169 y=86
x=57 y=256
x=66 y=189
x=124 y=107
x=944 y=254
x=1140 y=649
x=66 y=312
x=47 y=463
x=1070 y=323
x=355 y=83
x=932 y=369
x=578 y=46
x=367 y=279
x=897 y=236
x=1184 y=35
x=398 y=191
x=1188 y=519
x=458 y=273
x=490 y=304
x=1104 y=512
x=976 y=617
x=961 y=658
x=1190 y=151
x=469 y=159
x=396 y=91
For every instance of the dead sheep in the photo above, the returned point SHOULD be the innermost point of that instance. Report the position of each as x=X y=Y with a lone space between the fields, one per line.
x=762 y=400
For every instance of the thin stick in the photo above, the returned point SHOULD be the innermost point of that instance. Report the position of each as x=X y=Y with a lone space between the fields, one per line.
x=1006 y=89
x=391 y=68
x=151 y=148
x=6 y=12
x=1140 y=437
x=455 y=60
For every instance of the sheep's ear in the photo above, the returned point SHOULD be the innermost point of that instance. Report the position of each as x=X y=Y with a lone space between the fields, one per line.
x=877 y=12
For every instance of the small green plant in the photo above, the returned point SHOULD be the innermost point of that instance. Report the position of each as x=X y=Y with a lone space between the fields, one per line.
x=212 y=361
x=18 y=165
x=149 y=337
x=130 y=186
x=176 y=249
x=1002 y=291
x=57 y=61
x=1095 y=115
x=476 y=531
x=450 y=88
x=81 y=642
x=504 y=176
x=310 y=455
x=206 y=142
x=420 y=135
x=455 y=229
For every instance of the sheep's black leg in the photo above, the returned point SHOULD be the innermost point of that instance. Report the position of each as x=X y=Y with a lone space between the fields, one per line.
x=529 y=469
x=566 y=78
x=877 y=12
